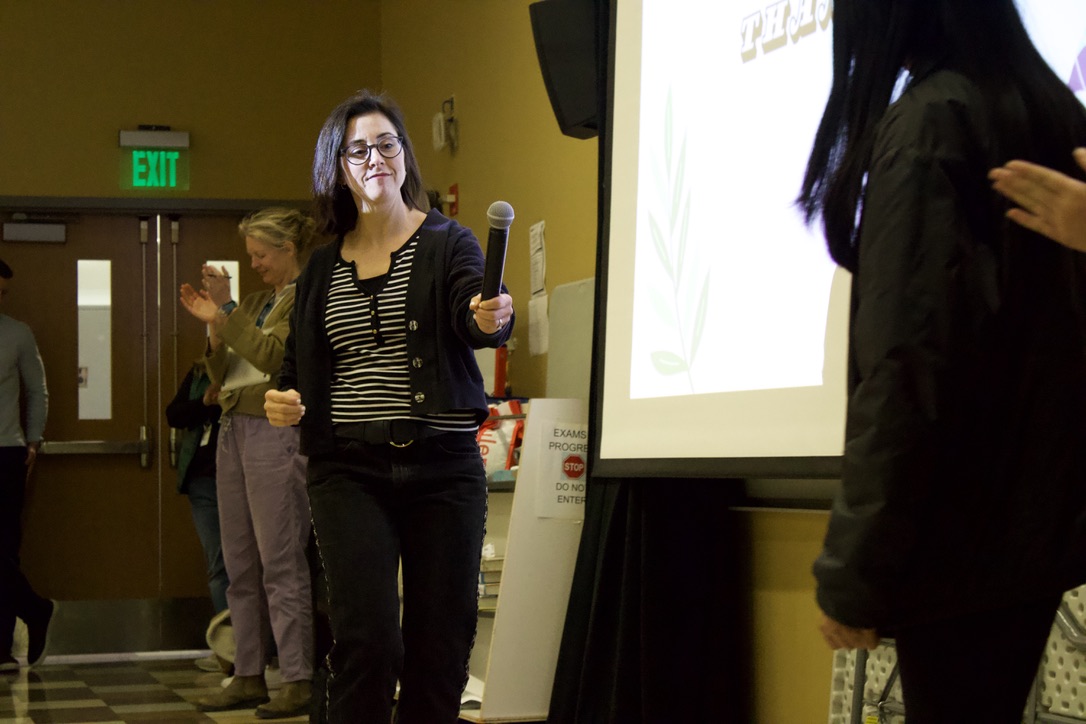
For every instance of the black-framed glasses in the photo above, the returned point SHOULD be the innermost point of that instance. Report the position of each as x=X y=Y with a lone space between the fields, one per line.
x=358 y=153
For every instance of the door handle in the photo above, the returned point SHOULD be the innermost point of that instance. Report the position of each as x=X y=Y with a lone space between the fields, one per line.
x=175 y=446
x=141 y=447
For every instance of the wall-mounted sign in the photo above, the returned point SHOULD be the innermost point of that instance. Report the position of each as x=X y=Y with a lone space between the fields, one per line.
x=155 y=169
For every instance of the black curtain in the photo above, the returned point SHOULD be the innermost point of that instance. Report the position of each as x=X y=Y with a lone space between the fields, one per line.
x=658 y=624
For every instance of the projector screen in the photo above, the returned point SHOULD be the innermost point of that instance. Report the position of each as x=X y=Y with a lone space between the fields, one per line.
x=723 y=339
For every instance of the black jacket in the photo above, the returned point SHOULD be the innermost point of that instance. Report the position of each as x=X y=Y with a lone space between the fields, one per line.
x=446 y=273
x=964 y=478
x=188 y=413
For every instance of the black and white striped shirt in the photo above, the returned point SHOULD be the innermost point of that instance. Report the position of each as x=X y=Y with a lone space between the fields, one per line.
x=365 y=321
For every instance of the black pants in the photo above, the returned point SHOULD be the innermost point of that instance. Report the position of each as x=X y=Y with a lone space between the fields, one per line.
x=974 y=668
x=17 y=598
x=374 y=505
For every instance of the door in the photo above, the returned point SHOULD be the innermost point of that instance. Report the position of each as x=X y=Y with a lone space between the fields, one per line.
x=103 y=521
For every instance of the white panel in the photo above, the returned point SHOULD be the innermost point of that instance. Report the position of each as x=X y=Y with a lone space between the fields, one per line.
x=95 y=337
x=569 y=355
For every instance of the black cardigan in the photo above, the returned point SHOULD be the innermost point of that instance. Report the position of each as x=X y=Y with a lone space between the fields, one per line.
x=446 y=273
x=964 y=473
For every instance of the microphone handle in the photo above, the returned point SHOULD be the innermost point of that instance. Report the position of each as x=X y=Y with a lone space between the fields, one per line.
x=495 y=262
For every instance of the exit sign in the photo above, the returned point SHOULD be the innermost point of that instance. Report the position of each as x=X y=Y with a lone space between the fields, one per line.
x=155 y=169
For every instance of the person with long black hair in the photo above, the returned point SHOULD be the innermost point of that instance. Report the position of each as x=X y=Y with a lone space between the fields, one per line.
x=962 y=512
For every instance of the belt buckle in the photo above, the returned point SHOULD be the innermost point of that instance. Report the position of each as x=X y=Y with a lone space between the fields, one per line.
x=392 y=435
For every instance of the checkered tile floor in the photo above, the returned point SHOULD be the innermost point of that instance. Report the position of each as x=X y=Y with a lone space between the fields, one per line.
x=133 y=692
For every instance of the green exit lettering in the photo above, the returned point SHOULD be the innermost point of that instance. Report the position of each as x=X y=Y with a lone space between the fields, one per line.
x=156 y=169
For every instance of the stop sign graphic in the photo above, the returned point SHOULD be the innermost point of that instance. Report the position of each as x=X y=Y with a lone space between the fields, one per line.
x=573 y=467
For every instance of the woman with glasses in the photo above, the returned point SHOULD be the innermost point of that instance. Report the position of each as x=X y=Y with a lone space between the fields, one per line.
x=380 y=374
x=962 y=512
x=263 y=511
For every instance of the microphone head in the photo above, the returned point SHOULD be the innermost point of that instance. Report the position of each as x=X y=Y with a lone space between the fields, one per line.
x=500 y=215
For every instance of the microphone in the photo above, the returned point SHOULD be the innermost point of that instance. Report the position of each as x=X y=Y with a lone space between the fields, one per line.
x=500 y=216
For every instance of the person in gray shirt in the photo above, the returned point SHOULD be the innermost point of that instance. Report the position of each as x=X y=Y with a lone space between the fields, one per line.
x=21 y=372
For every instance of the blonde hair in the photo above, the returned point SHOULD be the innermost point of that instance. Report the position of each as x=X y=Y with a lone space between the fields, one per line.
x=277 y=225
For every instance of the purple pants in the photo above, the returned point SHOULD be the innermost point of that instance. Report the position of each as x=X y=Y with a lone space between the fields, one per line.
x=264 y=520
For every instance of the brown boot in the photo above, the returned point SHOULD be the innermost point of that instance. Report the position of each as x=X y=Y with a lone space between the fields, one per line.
x=225 y=666
x=244 y=692
x=292 y=699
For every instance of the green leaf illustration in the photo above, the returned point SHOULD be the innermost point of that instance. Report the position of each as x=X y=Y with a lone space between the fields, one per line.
x=677 y=190
x=661 y=246
x=667 y=133
x=683 y=227
x=699 y=319
x=669 y=224
x=664 y=308
x=668 y=363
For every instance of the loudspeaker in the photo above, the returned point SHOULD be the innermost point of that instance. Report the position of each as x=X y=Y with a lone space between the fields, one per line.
x=565 y=41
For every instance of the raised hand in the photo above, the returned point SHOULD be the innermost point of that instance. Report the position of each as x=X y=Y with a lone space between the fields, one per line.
x=198 y=303
x=1051 y=203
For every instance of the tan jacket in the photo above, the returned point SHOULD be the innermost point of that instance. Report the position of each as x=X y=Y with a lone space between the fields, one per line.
x=260 y=346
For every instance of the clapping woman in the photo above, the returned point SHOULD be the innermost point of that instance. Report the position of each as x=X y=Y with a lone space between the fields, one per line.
x=263 y=510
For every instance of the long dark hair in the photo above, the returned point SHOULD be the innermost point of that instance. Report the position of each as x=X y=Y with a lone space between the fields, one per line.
x=334 y=207
x=1034 y=114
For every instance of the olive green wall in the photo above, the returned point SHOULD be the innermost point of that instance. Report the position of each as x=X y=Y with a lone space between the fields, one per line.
x=482 y=53
x=792 y=664
x=251 y=80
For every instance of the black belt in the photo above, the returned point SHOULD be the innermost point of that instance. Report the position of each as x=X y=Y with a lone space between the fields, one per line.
x=399 y=433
